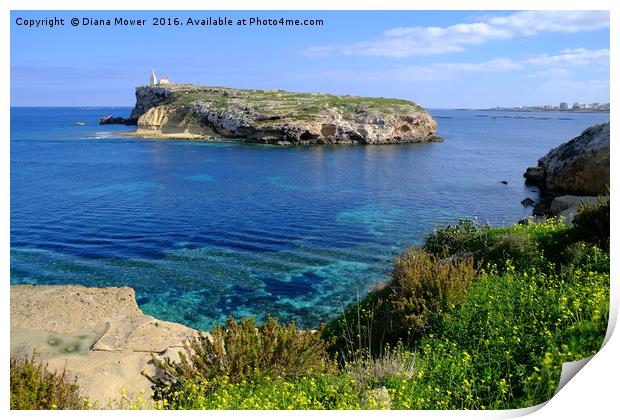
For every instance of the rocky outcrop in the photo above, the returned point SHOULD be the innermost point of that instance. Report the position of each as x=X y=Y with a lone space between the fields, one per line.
x=578 y=167
x=99 y=335
x=278 y=117
x=568 y=206
x=565 y=202
x=148 y=97
x=111 y=120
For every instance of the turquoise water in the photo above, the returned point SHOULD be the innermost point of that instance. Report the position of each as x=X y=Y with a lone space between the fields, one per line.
x=203 y=230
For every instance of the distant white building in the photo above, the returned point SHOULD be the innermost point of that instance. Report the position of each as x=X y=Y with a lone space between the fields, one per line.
x=153 y=80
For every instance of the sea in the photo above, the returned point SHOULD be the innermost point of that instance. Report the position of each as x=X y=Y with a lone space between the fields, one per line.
x=206 y=230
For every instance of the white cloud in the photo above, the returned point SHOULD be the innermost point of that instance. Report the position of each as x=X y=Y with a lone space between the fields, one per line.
x=555 y=72
x=571 y=57
x=534 y=22
x=404 y=42
x=543 y=65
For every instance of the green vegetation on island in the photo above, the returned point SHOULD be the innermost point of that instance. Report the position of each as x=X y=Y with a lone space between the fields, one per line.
x=283 y=102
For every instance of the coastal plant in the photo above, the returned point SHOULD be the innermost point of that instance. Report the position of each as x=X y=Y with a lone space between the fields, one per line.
x=587 y=256
x=504 y=348
x=422 y=288
x=241 y=351
x=35 y=387
x=451 y=240
x=319 y=391
x=394 y=364
x=592 y=222
x=515 y=245
x=526 y=245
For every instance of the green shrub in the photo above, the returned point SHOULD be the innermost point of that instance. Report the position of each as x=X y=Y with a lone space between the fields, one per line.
x=464 y=238
x=242 y=351
x=525 y=245
x=422 y=288
x=34 y=387
x=587 y=256
x=515 y=245
x=592 y=223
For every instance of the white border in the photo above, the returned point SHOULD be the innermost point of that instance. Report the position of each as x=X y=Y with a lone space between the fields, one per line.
x=592 y=394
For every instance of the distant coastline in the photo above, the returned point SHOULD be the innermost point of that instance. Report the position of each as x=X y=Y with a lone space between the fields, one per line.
x=542 y=109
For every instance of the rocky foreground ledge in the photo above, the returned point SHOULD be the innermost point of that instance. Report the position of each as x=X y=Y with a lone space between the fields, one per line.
x=276 y=117
x=99 y=334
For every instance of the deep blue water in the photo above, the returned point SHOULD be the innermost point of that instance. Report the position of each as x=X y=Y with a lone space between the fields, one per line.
x=202 y=230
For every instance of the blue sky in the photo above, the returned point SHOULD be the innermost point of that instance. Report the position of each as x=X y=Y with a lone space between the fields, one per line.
x=440 y=59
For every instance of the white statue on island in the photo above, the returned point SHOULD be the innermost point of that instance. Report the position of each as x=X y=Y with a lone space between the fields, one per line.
x=153 y=80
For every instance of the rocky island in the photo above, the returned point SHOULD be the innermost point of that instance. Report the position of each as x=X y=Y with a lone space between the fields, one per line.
x=184 y=111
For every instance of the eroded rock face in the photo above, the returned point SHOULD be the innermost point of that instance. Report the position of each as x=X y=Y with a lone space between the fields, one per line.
x=99 y=334
x=148 y=97
x=578 y=167
x=278 y=117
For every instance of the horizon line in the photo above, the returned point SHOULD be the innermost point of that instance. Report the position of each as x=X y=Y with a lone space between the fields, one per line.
x=430 y=107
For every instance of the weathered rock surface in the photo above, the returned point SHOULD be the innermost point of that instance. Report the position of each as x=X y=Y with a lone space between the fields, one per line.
x=278 y=117
x=99 y=334
x=111 y=120
x=568 y=206
x=377 y=398
x=527 y=202
x=578 y=167
x=565 y=202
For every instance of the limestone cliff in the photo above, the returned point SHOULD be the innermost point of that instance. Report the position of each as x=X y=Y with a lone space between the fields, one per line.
x=579 y=167
x=278 y=117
